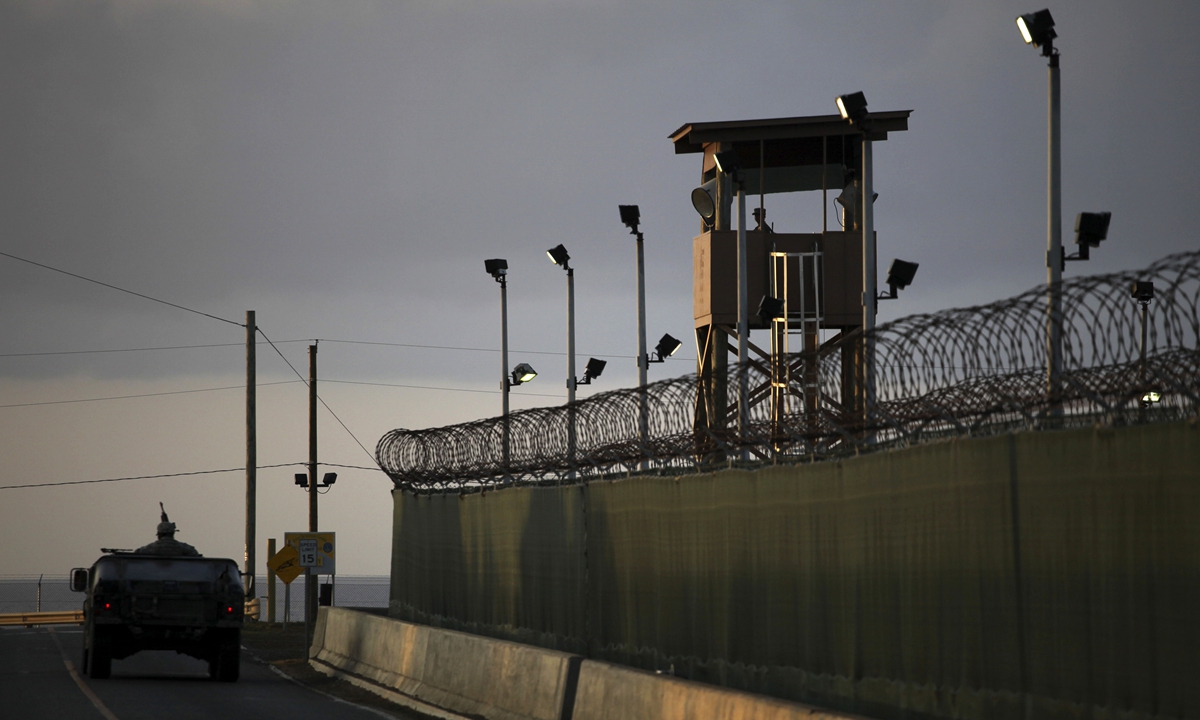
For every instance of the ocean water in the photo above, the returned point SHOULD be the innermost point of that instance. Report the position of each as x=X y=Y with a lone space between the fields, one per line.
x=19 y=593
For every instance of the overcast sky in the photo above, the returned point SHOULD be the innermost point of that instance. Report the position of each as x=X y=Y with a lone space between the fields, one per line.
x=343 y=168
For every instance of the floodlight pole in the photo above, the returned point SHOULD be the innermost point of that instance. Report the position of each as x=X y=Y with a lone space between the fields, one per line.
x=1054 y=251
x=570 y=363
x=504 y=384
x=643 y=358
x=870 y=272
x=1142 y=346
x=743 y=326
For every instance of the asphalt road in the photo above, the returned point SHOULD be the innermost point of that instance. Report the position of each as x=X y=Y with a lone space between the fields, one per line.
x=39 y=678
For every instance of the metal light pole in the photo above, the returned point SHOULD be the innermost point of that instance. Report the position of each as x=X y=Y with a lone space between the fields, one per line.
x=853 y=107
x=560 y=257
x=1054 y=317
x=743 y=326
x=1037 y=29
x=870 y=273
x=498 y=269
x=571 y=364
x=631 y=216
x=643 y=358
x=504 y=385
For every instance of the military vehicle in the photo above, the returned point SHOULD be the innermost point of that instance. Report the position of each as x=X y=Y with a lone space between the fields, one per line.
x=163 y=596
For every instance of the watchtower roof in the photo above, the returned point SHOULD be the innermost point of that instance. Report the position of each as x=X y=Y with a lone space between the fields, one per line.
x=692 y=137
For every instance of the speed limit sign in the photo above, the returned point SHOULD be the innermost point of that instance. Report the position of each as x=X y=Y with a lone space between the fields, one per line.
x=308 y=552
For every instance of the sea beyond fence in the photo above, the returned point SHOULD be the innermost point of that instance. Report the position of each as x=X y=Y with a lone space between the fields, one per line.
x=19 y=593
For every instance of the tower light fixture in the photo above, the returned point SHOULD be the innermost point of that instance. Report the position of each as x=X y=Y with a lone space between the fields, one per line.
x=522 y=374
x=1037 y=28
x=770 y=308
x=497 y=268
x=853 y=107
x=592 y=370
x=558 y=254
x=900 y=275
x=666 y=347
x=631 y=217
x=1090 y=230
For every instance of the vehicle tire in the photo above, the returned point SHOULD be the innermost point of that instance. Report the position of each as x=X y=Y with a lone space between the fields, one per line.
x=99 y=661
x=229 y=663
x=83 y=667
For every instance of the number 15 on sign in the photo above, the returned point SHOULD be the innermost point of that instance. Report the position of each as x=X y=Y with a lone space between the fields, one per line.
x=308 y=552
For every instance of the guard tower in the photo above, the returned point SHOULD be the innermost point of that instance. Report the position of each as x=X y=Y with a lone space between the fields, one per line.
x=796 y=285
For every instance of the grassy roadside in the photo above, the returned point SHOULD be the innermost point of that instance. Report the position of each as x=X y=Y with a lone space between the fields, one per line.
x=284 y=648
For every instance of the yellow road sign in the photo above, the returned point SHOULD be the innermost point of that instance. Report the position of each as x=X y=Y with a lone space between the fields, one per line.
x=286 y=564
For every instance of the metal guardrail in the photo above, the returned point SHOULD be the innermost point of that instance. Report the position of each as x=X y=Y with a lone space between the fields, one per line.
x=70 y=617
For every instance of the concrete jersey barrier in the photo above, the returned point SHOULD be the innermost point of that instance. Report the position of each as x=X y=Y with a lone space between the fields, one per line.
x=467 y=674
x=612 y=692
x=500 y=680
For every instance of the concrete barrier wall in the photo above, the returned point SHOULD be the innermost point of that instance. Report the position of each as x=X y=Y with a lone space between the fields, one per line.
x=498 y=680
x=611 y=692
x=464 y=673
x=1046 y=572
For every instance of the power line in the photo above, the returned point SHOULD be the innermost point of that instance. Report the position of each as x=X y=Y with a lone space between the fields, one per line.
x=306 y=383
x=432 y=387
x=119 y=350
x=143 y=395
x=144 y=477
x=354 y=467
x=455 y=347
x=137 y=349
x=120 y=289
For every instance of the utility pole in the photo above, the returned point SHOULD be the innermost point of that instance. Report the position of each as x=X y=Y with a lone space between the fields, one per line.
x=310 y=587
x=251 y=452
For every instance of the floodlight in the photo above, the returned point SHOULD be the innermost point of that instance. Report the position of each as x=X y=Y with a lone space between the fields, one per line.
x=1151 y=397
x=559 y=255
x=1142 y=291
x=329 y=479
x=1037 y=29
x=900 y=274
x=302 y=479
x=1091 y=228
x=497 y=267
x=703 y=202
x=770 y=308
x=523 y=373
x=592 y=370
x=727 y=161
x=853 y=107
x=630 y=215
x=667 y=346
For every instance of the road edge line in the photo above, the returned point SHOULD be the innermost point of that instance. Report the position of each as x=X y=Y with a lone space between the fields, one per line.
x=87 y=691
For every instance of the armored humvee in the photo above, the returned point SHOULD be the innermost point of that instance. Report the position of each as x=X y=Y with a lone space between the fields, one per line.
x=156 y=599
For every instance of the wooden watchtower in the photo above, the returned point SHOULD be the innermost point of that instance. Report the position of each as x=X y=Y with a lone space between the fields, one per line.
x=817 y=277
